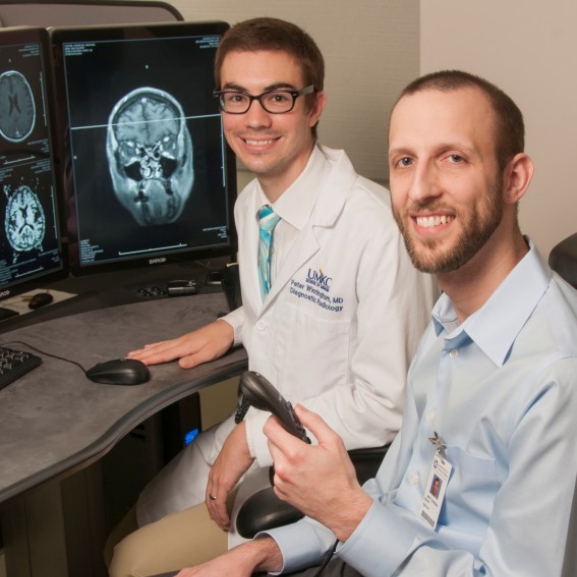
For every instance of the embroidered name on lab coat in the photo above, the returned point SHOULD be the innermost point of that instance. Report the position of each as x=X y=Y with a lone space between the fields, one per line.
x=316 y=288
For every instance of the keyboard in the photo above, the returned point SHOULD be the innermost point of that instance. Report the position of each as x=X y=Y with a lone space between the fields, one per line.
x=15 y=364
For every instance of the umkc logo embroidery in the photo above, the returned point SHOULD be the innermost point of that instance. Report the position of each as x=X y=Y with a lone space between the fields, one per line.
x=315 y=289
x=319 y=279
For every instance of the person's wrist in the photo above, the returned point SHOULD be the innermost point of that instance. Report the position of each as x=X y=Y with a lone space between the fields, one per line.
x=347 y=517
x=235 y=330
x=261 y=554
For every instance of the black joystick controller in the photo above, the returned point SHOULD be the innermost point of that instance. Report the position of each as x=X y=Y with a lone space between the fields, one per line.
x=260 y=393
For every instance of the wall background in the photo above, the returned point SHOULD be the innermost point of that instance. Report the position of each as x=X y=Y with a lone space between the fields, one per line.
x=528 y=48
x=374 y=47
x=371 y=50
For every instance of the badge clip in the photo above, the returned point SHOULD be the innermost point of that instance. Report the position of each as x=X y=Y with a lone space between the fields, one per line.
x=438 y=443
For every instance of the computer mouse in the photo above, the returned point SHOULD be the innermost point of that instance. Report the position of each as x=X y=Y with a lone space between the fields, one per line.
x=40 y=300
x=119 y=372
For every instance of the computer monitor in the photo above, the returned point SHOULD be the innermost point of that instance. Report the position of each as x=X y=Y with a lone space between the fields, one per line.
x=30 y=238
x=148 y=176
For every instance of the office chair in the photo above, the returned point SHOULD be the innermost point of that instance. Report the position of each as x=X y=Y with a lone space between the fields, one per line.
x=43 y=13
x=563 y=260
x=264 y=510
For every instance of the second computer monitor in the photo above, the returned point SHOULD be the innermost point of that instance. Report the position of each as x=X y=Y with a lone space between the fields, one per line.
x=30 y=233
x=148 y=176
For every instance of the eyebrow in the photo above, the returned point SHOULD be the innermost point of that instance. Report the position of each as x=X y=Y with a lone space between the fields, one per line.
x=401 y=150
x=469 y=150
x=276 y=86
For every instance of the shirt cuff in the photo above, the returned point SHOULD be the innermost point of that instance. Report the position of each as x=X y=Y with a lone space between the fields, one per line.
x=255 y=438
x=380 y=543
x=235 y=319
x=303 y=544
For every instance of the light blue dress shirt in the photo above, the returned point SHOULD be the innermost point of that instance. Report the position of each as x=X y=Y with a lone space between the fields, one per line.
x=500 y=390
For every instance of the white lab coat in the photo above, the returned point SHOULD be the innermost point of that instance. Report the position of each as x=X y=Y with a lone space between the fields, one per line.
x=344 y=314
x=336 y=332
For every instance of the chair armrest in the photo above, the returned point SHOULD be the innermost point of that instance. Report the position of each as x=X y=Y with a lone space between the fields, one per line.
x=264 y=510
x=367 y=461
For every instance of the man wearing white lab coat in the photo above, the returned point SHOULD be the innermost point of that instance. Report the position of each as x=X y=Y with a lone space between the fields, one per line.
x=344 y=313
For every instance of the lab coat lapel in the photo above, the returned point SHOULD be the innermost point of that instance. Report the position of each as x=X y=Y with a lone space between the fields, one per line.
x=249 y=264
x=327 y=209
x=304 y=248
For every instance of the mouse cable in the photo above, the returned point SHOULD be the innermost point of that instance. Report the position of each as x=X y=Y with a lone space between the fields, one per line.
x=45 y=353
x=328 y=556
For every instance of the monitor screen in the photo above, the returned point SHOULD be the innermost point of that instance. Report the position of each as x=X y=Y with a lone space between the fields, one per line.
x=148 y=176
x=30 y=238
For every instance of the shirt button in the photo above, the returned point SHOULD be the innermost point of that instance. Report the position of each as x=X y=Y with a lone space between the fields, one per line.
x=454 y=353
x=261 y=325
x=431 y=415
x=414 y=479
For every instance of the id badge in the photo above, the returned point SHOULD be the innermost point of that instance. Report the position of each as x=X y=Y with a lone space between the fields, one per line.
x=435 y=488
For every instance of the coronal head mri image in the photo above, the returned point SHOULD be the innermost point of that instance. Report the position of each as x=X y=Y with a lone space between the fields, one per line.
x=148 y=174
x=24 y=220
x=17 y=108
x=150 y=156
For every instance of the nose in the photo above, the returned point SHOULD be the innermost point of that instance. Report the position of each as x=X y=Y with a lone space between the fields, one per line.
x=256 y=116
x=425 y=183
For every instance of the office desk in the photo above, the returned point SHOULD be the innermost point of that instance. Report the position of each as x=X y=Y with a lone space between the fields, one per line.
x=55 y=421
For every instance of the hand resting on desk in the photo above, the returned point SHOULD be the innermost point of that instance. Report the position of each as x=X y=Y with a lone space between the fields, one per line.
x=205 y=344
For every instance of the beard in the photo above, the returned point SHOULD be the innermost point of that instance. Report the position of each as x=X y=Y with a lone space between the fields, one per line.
x=477 y=226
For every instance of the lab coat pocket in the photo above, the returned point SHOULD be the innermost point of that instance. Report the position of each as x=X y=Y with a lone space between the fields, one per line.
x=313 y=352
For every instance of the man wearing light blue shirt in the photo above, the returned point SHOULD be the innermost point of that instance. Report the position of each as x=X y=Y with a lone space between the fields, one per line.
x=491 y=394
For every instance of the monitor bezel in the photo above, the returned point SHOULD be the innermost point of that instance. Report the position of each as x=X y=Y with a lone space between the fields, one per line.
x=62 y=35
x=26 y=35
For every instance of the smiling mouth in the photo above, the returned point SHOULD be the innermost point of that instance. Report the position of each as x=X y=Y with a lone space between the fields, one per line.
x=430 y=221
x=251 y=142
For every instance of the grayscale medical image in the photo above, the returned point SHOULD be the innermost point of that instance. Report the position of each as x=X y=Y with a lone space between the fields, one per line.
x=24 y=222
x=150 y=156
x=17 y=107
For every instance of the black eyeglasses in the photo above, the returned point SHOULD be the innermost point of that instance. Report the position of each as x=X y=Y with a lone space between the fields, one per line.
x=273 y=101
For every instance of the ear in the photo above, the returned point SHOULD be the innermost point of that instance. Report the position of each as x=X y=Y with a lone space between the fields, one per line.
x=517 y=176
x=317 y=107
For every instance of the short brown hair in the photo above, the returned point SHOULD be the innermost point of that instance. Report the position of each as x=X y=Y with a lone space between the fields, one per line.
x=510 y=127
x=275 y=35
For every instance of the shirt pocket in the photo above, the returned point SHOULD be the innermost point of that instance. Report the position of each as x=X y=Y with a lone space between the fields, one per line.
x=313 y=352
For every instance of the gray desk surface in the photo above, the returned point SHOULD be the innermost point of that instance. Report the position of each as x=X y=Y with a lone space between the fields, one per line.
x=55 y=421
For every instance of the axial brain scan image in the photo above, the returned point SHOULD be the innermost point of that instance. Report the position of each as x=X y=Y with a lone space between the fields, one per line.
x=149 y=152
x=17 y=108
x=25 y=222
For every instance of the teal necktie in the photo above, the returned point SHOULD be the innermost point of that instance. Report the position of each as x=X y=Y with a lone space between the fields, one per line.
x=267 y=220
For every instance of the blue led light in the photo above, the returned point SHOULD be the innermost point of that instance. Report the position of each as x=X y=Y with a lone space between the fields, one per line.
x=189 y=437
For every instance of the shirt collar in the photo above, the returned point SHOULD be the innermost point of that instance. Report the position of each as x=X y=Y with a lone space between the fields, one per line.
x=515 y=298
x=296 y=203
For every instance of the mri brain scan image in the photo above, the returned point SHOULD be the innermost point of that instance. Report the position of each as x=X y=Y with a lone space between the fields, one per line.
x=149 y=152
x=24 y=220
x=17 y=108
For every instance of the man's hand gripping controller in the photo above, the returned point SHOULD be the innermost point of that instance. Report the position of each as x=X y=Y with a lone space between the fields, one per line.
x=257 y=391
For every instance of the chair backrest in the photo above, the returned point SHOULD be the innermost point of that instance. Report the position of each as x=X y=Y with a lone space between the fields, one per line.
x=570 y=564
x=41 y=13
x=563 y=259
